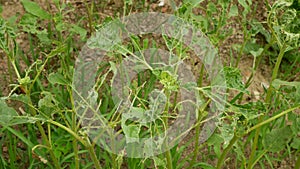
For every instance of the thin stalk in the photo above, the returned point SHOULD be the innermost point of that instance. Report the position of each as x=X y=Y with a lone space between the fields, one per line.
x=268 y=101
x=226 y=150
x=254 y=146
x=90 y=15
x=246 y=38
x=12 y=151
x=87 y=144
x=167 y=153
x=275 y=72
x=272 y=119
x=93 y=155
x=297 y=165
x=74 y=129
x=45 y=138
x=198 y=127
x=197 y=135
x=257 y=127
x=68 y=130
x=9 y=70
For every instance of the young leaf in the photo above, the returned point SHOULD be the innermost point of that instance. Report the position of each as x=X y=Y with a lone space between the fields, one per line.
x=35 y=9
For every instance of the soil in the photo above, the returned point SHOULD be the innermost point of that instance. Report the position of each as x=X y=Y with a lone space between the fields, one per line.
x=113 y=9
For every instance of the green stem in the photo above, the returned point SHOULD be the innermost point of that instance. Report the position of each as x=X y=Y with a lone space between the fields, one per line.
x=275 y=72
x=246 y=38
x=87 y=144
x=68 y=130
x=44 y=136
x=197 y=135
x=272 y=119
x=297 y=165
x=254 y=146
x=268 y=101
x=90 y=15
x=198 y=126
x=93 y=155
x=167 y=153
x=74 y=129
x=226 y=150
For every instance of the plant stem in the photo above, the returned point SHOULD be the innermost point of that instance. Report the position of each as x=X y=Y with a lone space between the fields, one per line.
x=226 y=150
x=272 y=119
x=297 y=165
x=275 y=72
x=167 y=153
x=90 y=15
x=93 y=155
x=74 y=128
x=198 y=126
x=44 y=136
x=268 y=101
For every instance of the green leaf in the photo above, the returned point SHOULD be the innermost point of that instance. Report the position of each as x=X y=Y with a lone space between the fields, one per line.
x=234 y=79
x=79 y=30
x=234 y=11
x=43 y=37
x=57 y=78
x=211 y=7
x=35 y=9
x=47 y=101
x=194 y=3
x=216 y=140
x=276 y=140
x=21 y=98
x=204 y=165
x=296 y=143
x=10 y=117
x=130 y=128
x=6 y=113
x=131 y=132
x=277 y=83
x=158 y=161
x=245 y=5
x=257 y=52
